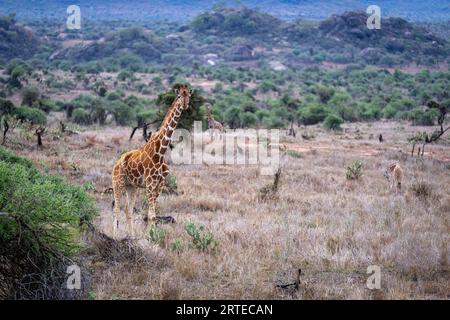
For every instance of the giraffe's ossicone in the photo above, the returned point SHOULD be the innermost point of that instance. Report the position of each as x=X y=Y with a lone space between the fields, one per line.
x=145 y=167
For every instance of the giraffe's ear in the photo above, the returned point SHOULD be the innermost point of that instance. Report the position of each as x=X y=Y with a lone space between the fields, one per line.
x=177 y=92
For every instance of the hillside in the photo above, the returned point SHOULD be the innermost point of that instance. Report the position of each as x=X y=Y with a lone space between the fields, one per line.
x=396 y=36
x=138 y=41
x=183 y=11
x=244 y=34
x=16 y=40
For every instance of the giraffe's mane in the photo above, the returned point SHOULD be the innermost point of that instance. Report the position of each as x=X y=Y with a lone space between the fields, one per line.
x=168 y=116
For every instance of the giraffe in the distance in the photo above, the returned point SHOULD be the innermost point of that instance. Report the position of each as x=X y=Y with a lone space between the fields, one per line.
x=212 y=123
x=145 y=167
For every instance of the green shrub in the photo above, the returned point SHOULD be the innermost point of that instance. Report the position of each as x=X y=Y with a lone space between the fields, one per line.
x=325 y=93
x=146 y=116
x=34 y=115
x=423 y=117
x=354 y=170
x=47 y=105
x=9 y=157
x=156 y=234
x=201 y=239
x=123 y=113
x=312 y=114
x=30 y=96
x=333 y=122
x=39 y=226
x=81 y=116
x=6 y=107
x=124 y=75
x=248 y=119
x=294 y=154
x=176 y=245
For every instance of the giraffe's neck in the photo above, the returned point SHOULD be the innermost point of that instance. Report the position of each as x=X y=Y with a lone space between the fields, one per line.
x=210 y=117
x=168 y=126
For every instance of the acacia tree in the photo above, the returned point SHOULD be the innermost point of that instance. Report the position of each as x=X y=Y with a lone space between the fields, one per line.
x=194 y=113
x=424 y=137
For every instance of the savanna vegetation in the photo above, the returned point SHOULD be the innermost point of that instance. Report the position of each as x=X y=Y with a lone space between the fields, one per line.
x=348 y=100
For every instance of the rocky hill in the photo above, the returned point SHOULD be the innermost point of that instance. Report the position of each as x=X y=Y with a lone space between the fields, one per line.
x=236 y=22
x=240 y=35
x=138 y=41
x=16 y=40
x=396 y=36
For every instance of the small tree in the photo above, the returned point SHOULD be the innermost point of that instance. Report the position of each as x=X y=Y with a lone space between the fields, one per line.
x=81 y=116
x=194 y=113
x=325 y=93
x=333 y=122
x=30 y=96
x=424 y=137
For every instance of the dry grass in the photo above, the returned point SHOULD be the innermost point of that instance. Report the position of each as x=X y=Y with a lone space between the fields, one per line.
x=329 y=227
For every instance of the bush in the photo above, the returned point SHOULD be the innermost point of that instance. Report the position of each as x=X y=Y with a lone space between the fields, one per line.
x=248 y=119
x=30 y=96
x=422 y=189
x=123 y=113
x=39 y=225
x=124 y=75
x=333 y=122
x=81 y=116
x=9 y=157
x=201 y=239
x=294 y=154
x=423 y=118
x=324 y=93
x=34 y=115
x=47 y=105
x=157 y=234
x=312 y=114
x=176 y=245
x=145 y=116
x=354 y=170
x=6 y=107
x=368 y=111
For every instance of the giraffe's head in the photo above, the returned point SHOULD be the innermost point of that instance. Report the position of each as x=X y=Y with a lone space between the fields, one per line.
x=184 y=94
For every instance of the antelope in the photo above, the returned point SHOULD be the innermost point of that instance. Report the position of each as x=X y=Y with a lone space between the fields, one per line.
x=394 y=174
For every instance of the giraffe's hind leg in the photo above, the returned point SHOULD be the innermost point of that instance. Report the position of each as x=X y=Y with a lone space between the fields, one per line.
x=118 y=191
x=118 y=183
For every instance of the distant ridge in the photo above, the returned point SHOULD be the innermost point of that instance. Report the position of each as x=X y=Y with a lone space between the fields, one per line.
x=184 y=10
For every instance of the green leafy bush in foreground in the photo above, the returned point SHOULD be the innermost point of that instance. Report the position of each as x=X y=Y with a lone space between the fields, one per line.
x=40 y=221
x=201 y=239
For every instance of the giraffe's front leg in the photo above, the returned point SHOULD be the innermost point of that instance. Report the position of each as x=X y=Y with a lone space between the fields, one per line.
x=151 y=192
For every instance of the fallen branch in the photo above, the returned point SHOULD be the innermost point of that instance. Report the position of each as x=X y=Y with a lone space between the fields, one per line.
x=296 y=284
